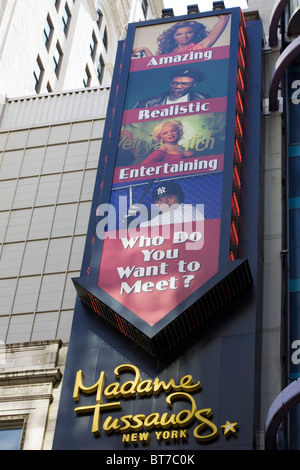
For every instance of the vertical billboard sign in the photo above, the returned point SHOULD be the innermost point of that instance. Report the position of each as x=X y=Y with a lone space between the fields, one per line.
x=165 y=251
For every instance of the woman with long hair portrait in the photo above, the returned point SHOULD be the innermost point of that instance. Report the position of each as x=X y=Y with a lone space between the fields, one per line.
x=186 y=36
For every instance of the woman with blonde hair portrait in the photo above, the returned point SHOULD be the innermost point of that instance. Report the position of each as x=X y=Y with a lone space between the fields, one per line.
x=168 y=133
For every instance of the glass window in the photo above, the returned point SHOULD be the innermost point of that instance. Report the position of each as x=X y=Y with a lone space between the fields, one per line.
x=100 y=18
x=105 y=39
x=57 y=58
x=87 y=78
x=10 y=438
x=66 y=19
x=48 y=32
x=38 y=74
x=100 y=69
x=93 y=46
x=145 y=7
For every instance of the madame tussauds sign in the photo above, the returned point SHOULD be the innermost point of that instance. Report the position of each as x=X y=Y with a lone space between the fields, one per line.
x=142 y=427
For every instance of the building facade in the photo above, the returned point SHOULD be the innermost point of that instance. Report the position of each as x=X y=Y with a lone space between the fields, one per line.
x=84 y=108
x=51 y=128
x=59 y=46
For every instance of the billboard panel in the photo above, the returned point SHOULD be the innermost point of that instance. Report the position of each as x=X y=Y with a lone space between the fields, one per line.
x=196 y=390
x=166 y=232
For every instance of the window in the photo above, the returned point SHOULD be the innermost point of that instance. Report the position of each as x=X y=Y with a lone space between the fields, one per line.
x=57 y=4
x=104 y=39
x=11 y=433
x=10 y=438
x=100 y=70
x=100 y=18
x=145 y=7
x=48 y=32
x=93 y=46
x=66 y=19
x=38 y=74
x=57 y=58
x=87 y=78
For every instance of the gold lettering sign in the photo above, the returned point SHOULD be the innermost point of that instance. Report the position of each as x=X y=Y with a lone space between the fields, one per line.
x=135 y=428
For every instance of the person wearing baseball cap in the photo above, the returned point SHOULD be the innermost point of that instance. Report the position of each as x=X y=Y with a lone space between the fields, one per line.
x=169 y=200
x=168 y=193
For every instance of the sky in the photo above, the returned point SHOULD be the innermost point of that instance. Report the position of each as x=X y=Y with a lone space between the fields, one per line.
x=179 y=6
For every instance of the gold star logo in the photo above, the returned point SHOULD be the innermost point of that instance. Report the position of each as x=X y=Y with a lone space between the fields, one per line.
x=229 y=428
